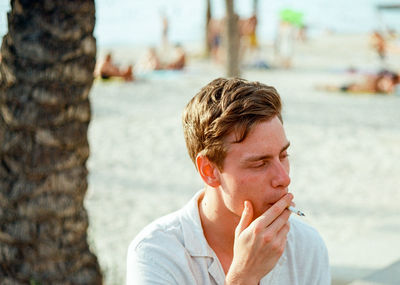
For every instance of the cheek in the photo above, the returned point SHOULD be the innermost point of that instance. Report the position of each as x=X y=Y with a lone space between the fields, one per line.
x=239 y=186
x=251 y=180
x=247 y=177
x=253 y=186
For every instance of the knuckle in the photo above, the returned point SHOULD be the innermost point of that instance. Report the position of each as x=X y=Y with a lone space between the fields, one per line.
x=268 y=237
x=281 y=246
x=257 y=229
x=286 y=231
x=276 y=245
x=286 y=214
x=281 y=249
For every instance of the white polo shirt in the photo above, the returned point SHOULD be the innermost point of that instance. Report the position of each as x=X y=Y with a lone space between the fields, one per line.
x=173 y=250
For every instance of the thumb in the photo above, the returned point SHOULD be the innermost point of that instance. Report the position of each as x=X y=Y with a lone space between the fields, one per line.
x=246 y=218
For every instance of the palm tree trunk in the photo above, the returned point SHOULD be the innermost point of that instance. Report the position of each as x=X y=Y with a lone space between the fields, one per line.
x=207 y=33
x=46 y=73
x=255 y=7
x=232 y=41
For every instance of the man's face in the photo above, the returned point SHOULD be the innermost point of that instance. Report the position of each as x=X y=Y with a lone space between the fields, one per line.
x=256 y=169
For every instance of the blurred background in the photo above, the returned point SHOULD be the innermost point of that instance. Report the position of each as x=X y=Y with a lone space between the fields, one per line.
x=334 y=64
x=138 y=22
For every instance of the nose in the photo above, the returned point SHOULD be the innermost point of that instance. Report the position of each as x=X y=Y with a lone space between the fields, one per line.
x=280 y=178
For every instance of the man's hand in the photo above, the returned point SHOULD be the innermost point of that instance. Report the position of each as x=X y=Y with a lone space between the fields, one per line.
x=259 y=244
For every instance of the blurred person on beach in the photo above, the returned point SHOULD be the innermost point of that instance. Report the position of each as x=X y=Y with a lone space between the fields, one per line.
x=249 y=46
x=178 y=60
x=108 y=69
x=151 y=61
x=284 y=44
x=384 y=82
x=167 y=57
x=250 y=52
x=247 y=28
x=379 y=45
x=237 y=229
x=302 y=33
x=165 y=27
x=215 y=31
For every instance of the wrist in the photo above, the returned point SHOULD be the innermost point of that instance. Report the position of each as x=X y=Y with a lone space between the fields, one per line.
x=240 y=279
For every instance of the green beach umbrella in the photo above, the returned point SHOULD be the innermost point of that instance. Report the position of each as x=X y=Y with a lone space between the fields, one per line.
x=291 y=16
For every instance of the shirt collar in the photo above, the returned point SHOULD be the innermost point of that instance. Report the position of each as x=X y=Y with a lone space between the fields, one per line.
x=193 y=235
x=195 y=241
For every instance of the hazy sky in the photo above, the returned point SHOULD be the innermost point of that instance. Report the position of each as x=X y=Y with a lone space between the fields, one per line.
x=139 y=21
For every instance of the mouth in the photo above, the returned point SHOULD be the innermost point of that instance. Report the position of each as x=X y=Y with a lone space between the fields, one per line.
x=270 y=204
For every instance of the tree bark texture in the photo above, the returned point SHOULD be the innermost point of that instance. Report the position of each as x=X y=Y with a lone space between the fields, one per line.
x=207 y=28
x=48 y=57
x=232 y=40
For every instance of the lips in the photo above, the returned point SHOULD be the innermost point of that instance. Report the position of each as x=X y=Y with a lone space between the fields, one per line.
x=270 y=204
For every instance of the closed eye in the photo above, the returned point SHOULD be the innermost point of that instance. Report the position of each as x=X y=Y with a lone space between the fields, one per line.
x=260 y=164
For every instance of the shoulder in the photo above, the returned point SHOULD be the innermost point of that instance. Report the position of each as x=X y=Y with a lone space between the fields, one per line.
x=170 y=233
x=155 y=251
x=163 y=232
x=162 y=252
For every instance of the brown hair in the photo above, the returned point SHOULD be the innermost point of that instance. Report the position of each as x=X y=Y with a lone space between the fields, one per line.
x=223 y=106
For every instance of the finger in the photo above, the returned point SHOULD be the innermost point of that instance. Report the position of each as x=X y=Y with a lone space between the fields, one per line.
x=276 y=210
x=282 y=236
x=277 y=242
x=279 y=222
x=282 y=233
x=246 y=218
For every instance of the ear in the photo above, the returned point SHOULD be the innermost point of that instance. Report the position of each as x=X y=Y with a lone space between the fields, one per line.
x=208 y=171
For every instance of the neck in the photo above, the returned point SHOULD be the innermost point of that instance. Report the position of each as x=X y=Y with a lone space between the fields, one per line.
x=218 y=223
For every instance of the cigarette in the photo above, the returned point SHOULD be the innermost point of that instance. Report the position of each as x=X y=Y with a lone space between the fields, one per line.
x=297 y=212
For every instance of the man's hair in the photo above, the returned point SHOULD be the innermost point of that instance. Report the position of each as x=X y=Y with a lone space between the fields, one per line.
x=224 y=106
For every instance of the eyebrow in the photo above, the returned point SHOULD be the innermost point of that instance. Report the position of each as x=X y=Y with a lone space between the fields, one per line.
x=264 y=157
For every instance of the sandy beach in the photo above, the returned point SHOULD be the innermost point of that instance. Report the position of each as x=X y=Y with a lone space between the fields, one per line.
x=344 y=153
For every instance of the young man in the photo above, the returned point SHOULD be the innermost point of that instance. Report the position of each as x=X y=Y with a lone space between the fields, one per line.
x=237 y=229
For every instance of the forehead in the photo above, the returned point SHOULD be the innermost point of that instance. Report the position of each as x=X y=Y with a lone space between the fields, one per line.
x=264 y=136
